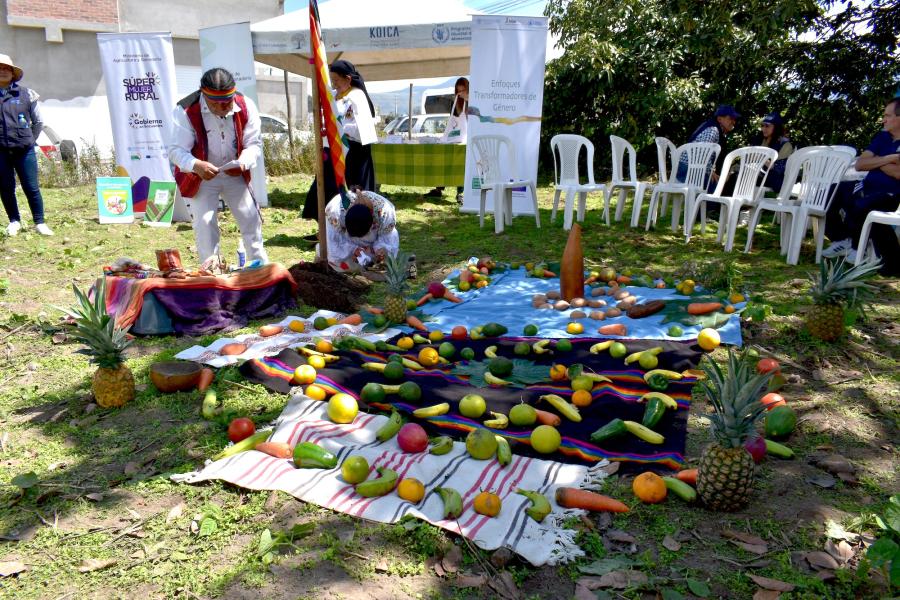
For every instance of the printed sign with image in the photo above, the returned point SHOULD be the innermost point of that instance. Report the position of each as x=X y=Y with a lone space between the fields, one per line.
x=114 y=200
x=160 y=204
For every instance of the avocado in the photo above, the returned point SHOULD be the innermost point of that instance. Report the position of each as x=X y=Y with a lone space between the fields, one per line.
x=500 y=366
x=494 y=330
x=410 y=391
x=393 y=370
x=522 y=349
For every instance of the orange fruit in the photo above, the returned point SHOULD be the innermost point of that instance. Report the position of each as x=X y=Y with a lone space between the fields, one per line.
x=304 y=374
x=582 y=398
x=406 y=343
x=324 y=346
x=729 y=309
x=488 y=504
x=428 y=357
x=649 y=487
x=297 y=326
x=316 y=392
x=574 y=328
x=481 y=284
x=411 y=490
x=558 y=372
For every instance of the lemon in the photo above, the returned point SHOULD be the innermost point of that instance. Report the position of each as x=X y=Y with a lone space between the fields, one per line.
x=574 y=328
x=406 y=343
x=355 y=469
x=315 y=392
x=436 y=336
x=481 y=444
x=618 y=350
x=304 y=374
x=342 y=408
x=545 y=439
x=298 y=326
x=708 y=339
x=472 y=406
x=316 y=361
x=331 y=321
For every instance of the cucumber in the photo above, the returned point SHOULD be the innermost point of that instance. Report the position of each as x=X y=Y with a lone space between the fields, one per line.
x=680 y=489
x=611 y=430
x=309 y=455
x=653 y=413
x=779 y=450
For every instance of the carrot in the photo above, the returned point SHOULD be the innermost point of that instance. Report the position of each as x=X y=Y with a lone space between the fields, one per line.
x=575 y=498
x=276 y=449
x=613 y=329
x=375 y=310
x=353 y=319
x=415 y=323
x=687 y=476
x=624 y=279
x=590 y=280
x=206 y=378
x=548 y=273
x=425 y=298
x=547 y=418
x=702 y=308
x=448 y=295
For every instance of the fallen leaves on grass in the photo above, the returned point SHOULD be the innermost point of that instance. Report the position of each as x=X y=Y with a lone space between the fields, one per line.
x=771 y=584
x=750 y=543
x=452 y=560
x=622 y=580
x=821 y=560
x=822 y=480
x=469 y=581
x=12 y=567
x=670 y=543
x=766 y=595
x=842 y=551
x=175 y=512
x=95 y=564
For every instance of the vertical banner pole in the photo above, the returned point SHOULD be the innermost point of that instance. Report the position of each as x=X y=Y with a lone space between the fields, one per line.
x=287 y=97
x=409 y=129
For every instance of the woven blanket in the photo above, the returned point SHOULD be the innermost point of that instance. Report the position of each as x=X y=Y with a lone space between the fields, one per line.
x=507 y=300
x=617 y=399
x=258 y=346
x=548 y=542
x=420 y=164
x=202 y=305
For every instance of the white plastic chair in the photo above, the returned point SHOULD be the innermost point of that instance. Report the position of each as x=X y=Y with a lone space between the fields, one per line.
x=753 y=166
x=619 y=147
x=699 y=156
x=819 y=171
x=876 y=216
x=488 y=151
x=666 y=166
x=568 y=180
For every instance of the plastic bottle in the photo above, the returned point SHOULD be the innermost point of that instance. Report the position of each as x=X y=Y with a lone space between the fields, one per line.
x=241 y=254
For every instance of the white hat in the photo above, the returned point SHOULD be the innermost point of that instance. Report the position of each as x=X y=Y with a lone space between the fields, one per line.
x=17 y=71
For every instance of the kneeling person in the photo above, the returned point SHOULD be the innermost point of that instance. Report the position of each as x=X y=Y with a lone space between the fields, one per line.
x=363 y=234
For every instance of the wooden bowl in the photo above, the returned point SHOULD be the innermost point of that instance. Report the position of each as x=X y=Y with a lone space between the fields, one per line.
x=175 y=375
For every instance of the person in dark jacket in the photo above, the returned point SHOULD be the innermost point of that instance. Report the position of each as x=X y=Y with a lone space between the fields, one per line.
x=771 y=135
x=20 y=125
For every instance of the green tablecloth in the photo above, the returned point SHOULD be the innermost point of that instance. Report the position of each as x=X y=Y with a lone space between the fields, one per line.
x=425 y=165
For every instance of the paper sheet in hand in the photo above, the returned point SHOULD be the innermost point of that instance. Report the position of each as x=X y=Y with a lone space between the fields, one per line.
x=234 y=164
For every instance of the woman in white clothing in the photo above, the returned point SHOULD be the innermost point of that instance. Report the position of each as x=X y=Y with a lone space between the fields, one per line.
x=358 y=114
x=457 y=128
x=362 y=234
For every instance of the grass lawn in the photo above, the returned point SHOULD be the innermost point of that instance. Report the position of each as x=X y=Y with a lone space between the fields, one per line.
x=104 y=520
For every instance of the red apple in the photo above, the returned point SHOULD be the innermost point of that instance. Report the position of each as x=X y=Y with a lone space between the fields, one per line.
x=412 y=438
x=436 y=289
x=771 y=400
x=240 y=428
x=756 y=446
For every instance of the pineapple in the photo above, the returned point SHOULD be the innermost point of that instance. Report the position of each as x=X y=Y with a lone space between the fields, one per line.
x=113 y=382
x=395 y=296
x=726 y=468
x=840 y=285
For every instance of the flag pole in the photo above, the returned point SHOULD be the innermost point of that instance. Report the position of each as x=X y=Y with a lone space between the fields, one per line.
x=320 y=170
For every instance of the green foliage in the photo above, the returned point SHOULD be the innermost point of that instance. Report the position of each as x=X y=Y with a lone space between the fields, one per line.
x=884 y=554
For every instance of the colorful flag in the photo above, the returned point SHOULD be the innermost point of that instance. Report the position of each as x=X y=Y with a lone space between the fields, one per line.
x=334 y=131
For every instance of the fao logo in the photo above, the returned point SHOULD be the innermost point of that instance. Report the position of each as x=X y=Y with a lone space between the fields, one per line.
x=440 y=34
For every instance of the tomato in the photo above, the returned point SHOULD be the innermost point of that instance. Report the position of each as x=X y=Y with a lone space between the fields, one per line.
x=240 y=428
x=768 y=365
x=771 y=400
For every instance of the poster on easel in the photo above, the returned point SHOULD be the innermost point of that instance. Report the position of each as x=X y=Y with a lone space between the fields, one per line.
x=160 y=204
x=114 y=200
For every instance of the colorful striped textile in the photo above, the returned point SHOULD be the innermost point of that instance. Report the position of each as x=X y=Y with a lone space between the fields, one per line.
x=305 y=420
x=201 y=305
x=618 y=399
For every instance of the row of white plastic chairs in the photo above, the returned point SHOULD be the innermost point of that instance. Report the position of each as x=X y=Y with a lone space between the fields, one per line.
x=810 y=182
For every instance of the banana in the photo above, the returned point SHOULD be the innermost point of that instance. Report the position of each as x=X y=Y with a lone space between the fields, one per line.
x=491 y=352
x=419 y=339
x=648 y=435
x=504 y=453
x=655 y=351
x=441 y=445
x=540 y=506
x=432 y=411
x=443 y=361
x=670 y=375
x=635 y=356
x=596 y=377
x=411 y=364
x=494 y=380
x=600 y=347
x=372 y=488
x=374 y=366
x=389 y=429
x=453 y=506
x=329 y=358
x=668 y=400
x=540 y=347
x=566 y=408
x=498 y=422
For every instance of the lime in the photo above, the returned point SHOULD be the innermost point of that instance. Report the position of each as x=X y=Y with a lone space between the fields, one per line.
x=530 y=329
x=522 y=415
x=582 y=382
x=393 y=370
x=648 y=361
x=411 y=305
x=522 y=349
x=379 y=321
x=675 y=331
x=618 y=350
x=320 y=323
x=395 y=358
x=447 y=350
x=563 y=345
x=481 y=444
x=545 y=439
x=472 y=406
x=467 y=354
x=355 y=469
x=342 y=408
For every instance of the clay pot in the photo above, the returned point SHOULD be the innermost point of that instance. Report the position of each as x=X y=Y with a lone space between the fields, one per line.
x=175 y=375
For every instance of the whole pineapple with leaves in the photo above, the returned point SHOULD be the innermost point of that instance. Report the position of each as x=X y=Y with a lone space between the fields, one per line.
x=113 y=382
x=725 y=474
x=395 y=279
x=839 y=286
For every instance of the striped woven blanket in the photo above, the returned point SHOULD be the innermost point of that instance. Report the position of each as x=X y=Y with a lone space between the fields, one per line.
x=303 y=419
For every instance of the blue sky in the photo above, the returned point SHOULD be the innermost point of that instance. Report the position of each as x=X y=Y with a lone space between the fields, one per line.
x=511 y=7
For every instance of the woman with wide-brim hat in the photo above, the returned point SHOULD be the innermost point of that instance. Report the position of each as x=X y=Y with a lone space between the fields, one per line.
x=20 y=125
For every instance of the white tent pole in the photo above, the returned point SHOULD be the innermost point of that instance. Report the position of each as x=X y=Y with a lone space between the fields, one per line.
x=409 y=127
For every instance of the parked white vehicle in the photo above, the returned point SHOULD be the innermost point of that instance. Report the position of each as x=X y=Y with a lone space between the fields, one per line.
x=274 y=129
x=432 y=125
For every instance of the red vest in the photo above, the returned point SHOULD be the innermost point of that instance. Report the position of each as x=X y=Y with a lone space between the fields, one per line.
x=189 y=183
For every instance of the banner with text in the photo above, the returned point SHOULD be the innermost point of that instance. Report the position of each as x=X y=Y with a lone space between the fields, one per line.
x=139 y=72
x=230 y=47
x=506 y=97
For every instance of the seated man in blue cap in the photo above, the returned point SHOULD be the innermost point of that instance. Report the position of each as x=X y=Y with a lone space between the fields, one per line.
x=712 y=130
